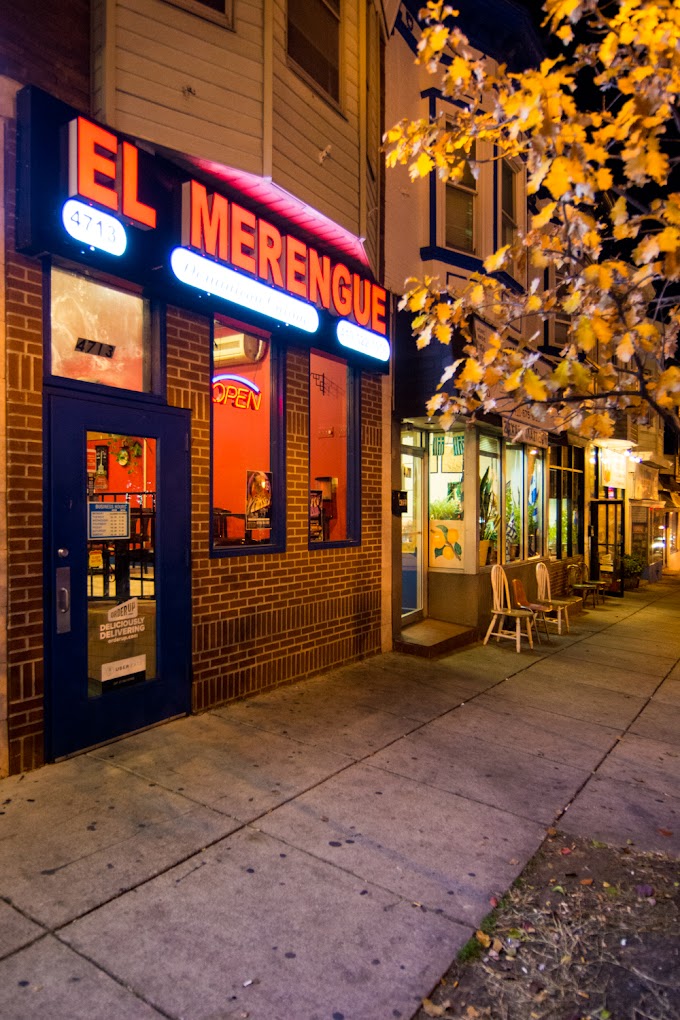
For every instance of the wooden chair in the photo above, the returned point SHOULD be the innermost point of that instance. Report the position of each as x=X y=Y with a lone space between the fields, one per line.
x=522 y=601
x=579 y=584
x=502 y=608
x=560 y=607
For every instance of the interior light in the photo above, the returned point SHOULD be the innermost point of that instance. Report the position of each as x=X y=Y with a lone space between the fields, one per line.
x=96 y=229
x=212 y=278
x=363 y=340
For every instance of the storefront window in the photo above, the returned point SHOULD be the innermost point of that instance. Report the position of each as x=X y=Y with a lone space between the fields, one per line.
x=534 y=501
x=331 y=495
x=445 y=510
x=489 y=499
x=99 y=334
x=243 y=472
x=514 y=501
x=565 y=503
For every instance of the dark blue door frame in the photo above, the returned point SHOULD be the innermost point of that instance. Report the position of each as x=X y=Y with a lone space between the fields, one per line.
x=74 y=719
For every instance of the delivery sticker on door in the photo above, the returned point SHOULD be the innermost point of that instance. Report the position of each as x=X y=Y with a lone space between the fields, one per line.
x=122 y=623
x=124 y=671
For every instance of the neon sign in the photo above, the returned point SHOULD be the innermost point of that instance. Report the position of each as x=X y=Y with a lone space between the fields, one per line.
x=237 y=391
x=213 y=278
x=94 y=228
x=226 y=231
x=363 y=341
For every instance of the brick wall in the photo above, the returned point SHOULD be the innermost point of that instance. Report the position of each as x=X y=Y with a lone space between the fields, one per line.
x=258 y=620
x=263 y=620
x=24 y=498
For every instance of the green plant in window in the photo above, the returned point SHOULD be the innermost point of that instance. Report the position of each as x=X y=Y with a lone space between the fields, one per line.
x=442 y=510
x=488 y=509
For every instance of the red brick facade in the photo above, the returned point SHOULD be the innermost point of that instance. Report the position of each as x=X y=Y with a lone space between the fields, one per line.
x=258 y=621
x=263 y=620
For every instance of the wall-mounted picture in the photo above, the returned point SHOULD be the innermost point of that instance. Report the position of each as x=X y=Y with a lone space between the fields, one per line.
x=258 y=500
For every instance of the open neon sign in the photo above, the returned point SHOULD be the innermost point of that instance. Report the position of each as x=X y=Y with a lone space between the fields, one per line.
x=237 y=391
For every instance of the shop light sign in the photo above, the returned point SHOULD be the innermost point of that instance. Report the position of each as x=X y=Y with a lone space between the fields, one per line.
x=237 y=391
x=363 y=341
x=94 y=228
x=213 y=278
x=224 y=249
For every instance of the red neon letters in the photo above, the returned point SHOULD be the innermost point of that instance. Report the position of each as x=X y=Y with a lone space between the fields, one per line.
x=229 y=233
x=105 y=172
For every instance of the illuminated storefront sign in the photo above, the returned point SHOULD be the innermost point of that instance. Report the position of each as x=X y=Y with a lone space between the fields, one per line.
x=363 y=341
x=237 y=391
x=148 y=219
x=94 y=228
x=213 y=278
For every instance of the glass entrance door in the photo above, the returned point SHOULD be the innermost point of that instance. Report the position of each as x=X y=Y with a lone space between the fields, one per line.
x=412 y=551
x=607 y=544
x=118 y=634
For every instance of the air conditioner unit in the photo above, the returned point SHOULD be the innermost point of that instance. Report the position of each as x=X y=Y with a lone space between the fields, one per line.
x=238 y=349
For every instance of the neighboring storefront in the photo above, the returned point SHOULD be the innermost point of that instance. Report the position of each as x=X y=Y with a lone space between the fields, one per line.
x=194 y=438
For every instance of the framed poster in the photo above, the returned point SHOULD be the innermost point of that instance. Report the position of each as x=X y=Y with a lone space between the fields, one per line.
x=258 y=500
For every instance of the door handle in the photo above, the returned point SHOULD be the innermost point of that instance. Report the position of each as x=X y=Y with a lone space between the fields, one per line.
x=63 y=599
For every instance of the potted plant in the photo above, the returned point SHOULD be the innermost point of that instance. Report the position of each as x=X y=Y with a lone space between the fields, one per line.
x=488 y=519
x=632 y=566
x=445 y=546
x=513 y=523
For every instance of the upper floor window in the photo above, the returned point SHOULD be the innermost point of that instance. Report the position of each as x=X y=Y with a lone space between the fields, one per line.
x=461 y=213
x=508 y=203
x=314 y=41
x=219 y=11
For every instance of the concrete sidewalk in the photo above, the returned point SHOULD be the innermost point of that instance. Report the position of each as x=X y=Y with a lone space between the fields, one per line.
x=322 y=852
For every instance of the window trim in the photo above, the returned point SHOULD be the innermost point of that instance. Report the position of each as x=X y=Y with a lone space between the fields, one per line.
x=306 y=76
x=277 y=444
x=354 y=462
x=157 y=392
x=201 y=10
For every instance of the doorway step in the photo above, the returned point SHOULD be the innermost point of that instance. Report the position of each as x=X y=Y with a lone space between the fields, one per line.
x=434 y=637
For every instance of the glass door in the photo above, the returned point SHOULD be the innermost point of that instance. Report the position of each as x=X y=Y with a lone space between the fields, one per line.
x=412 y=550
x=118 y=632
x=606 y=547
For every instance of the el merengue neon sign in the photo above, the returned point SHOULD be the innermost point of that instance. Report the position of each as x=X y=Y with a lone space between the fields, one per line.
x=225 y=249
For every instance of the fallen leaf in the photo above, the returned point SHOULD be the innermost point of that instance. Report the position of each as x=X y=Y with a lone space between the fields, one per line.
x=584 y=995
x=431 y=1009
x=565 y=850
x=497 y=945
x=644 y=890
x=493 y=901
x=551 y=831
x=665 y=832
x=586 y=881
x=483 y=938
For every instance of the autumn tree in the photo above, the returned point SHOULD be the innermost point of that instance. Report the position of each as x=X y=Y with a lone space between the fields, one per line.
x=595 y=125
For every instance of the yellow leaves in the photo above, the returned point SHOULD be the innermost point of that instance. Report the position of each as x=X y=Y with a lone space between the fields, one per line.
x=476 y=296
x=443 y=311
x=496 y=261
x=585 y=334
x=544 y=216
x=625 y=349
x=472 y=373
x=421 y=167
x=442 y=333
x=600 y=275
x=513 y=381
x=533 y=304
x=561 y=376
x=563 y=174
x=608 y=49
x=534 y=386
